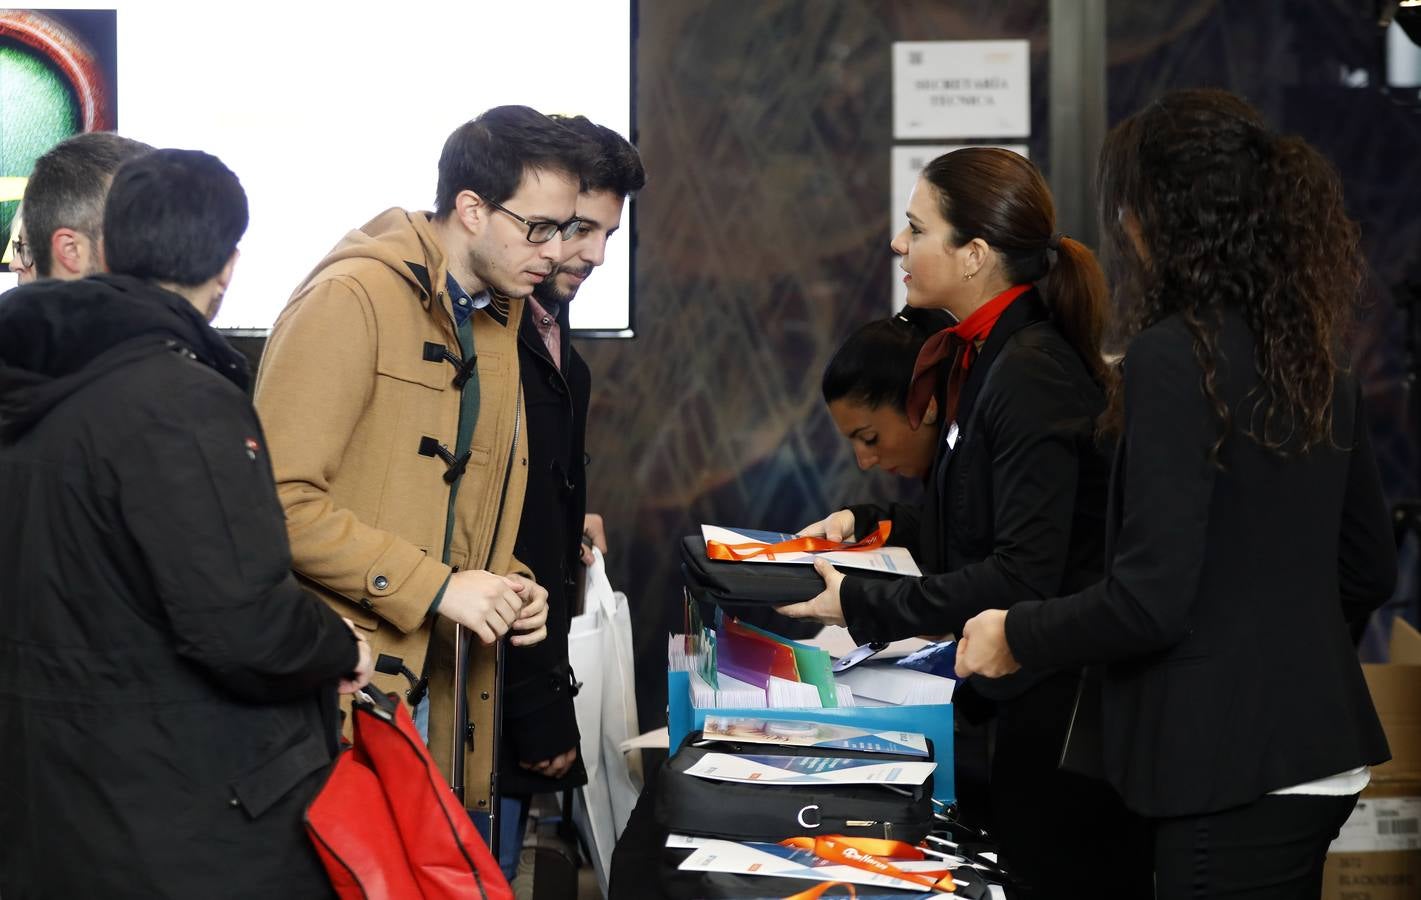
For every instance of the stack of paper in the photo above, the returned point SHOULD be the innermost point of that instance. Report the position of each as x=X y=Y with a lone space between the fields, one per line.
x=836 y=641
x=728 y=694
x=679 y=656
x=896 y=686
x=781 y=693
x=739 y=665
x=778 y=693
x=772 y=859
x=778 y=861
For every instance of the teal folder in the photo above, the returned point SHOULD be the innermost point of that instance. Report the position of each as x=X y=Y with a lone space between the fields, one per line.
x=933 y=721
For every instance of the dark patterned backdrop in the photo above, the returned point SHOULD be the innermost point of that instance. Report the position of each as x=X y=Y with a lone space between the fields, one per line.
x=763 y=240
x=766 y=129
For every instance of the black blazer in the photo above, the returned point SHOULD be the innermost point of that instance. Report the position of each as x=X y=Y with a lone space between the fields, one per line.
x=539 y=720
x=1016 y=510
x=1223 y=616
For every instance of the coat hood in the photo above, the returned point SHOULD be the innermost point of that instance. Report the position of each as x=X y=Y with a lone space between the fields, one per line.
x=403 y=241
x=57 y=336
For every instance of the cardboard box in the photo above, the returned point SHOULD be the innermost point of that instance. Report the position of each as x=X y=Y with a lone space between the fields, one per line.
x=1372 y=876
x=1396 y=693
x=1378 y=854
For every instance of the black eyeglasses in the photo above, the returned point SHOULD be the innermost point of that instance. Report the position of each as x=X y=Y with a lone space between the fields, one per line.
x=23 y=254
x=543 y=231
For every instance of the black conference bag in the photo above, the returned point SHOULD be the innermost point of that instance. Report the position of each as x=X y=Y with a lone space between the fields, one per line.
x=688 y=804
x=741 y=585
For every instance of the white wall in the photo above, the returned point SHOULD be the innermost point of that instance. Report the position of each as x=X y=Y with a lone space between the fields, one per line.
x=331 y=112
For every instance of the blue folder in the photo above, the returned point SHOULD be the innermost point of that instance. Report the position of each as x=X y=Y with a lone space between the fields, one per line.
x=934 y=722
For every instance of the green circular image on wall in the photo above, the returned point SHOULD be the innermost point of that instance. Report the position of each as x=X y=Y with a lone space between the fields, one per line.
x=39 y=112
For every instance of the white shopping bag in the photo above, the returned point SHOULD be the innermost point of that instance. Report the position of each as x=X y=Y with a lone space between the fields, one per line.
x=600 y=649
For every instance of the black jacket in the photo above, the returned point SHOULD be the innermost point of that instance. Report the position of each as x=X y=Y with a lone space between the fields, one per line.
x=538 y=720
x=1224 y=611
x=166 y=690
x=1015 y=510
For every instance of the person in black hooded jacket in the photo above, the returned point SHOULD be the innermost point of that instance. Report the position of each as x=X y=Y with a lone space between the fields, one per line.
x=167 y=692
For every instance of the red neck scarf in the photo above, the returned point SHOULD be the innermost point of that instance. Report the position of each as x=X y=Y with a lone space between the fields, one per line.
x=961 y=341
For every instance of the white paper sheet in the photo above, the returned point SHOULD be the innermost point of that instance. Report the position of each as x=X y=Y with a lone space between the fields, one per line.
x=782 y=862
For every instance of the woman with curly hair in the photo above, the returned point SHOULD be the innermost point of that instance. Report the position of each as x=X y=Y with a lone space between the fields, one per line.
x=1246 y=528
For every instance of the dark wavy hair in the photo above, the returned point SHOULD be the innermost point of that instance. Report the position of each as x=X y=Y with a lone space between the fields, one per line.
x=1229 y=215
x=615 y=164
x=875 y=365
x=490 y=155
x=1000 y=197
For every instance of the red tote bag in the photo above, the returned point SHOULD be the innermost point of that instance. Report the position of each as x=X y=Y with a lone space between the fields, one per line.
x=386 y=824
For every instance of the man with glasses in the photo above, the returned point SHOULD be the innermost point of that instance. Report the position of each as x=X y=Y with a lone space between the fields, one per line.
x=20 y=259
x=389 y=391
x=64 y=204
x=540 y=736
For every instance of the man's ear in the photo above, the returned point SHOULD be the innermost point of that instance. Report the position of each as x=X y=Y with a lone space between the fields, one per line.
x=471 y=210
x=224 y=277
x=69 y=251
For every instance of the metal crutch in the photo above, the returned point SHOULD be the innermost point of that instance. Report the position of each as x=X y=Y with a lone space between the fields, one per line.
x=463 y=647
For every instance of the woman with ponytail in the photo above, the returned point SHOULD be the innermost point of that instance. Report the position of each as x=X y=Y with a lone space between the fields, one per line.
x=1247 y=527
x=1015 y=499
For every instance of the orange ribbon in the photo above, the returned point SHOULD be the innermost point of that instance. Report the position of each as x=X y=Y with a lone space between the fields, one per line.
x=733 y=552
x=815 y=893
x=865 y=853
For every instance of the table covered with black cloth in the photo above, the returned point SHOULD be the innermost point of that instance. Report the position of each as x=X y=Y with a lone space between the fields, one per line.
x=643 y=868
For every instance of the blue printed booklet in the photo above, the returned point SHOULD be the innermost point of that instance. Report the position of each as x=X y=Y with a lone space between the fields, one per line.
x=821 y=735
x=788 y=770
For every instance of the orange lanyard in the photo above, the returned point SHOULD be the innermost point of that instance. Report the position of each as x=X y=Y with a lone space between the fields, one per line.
x=816 y=892
x=865 y=853
x=732 y=552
